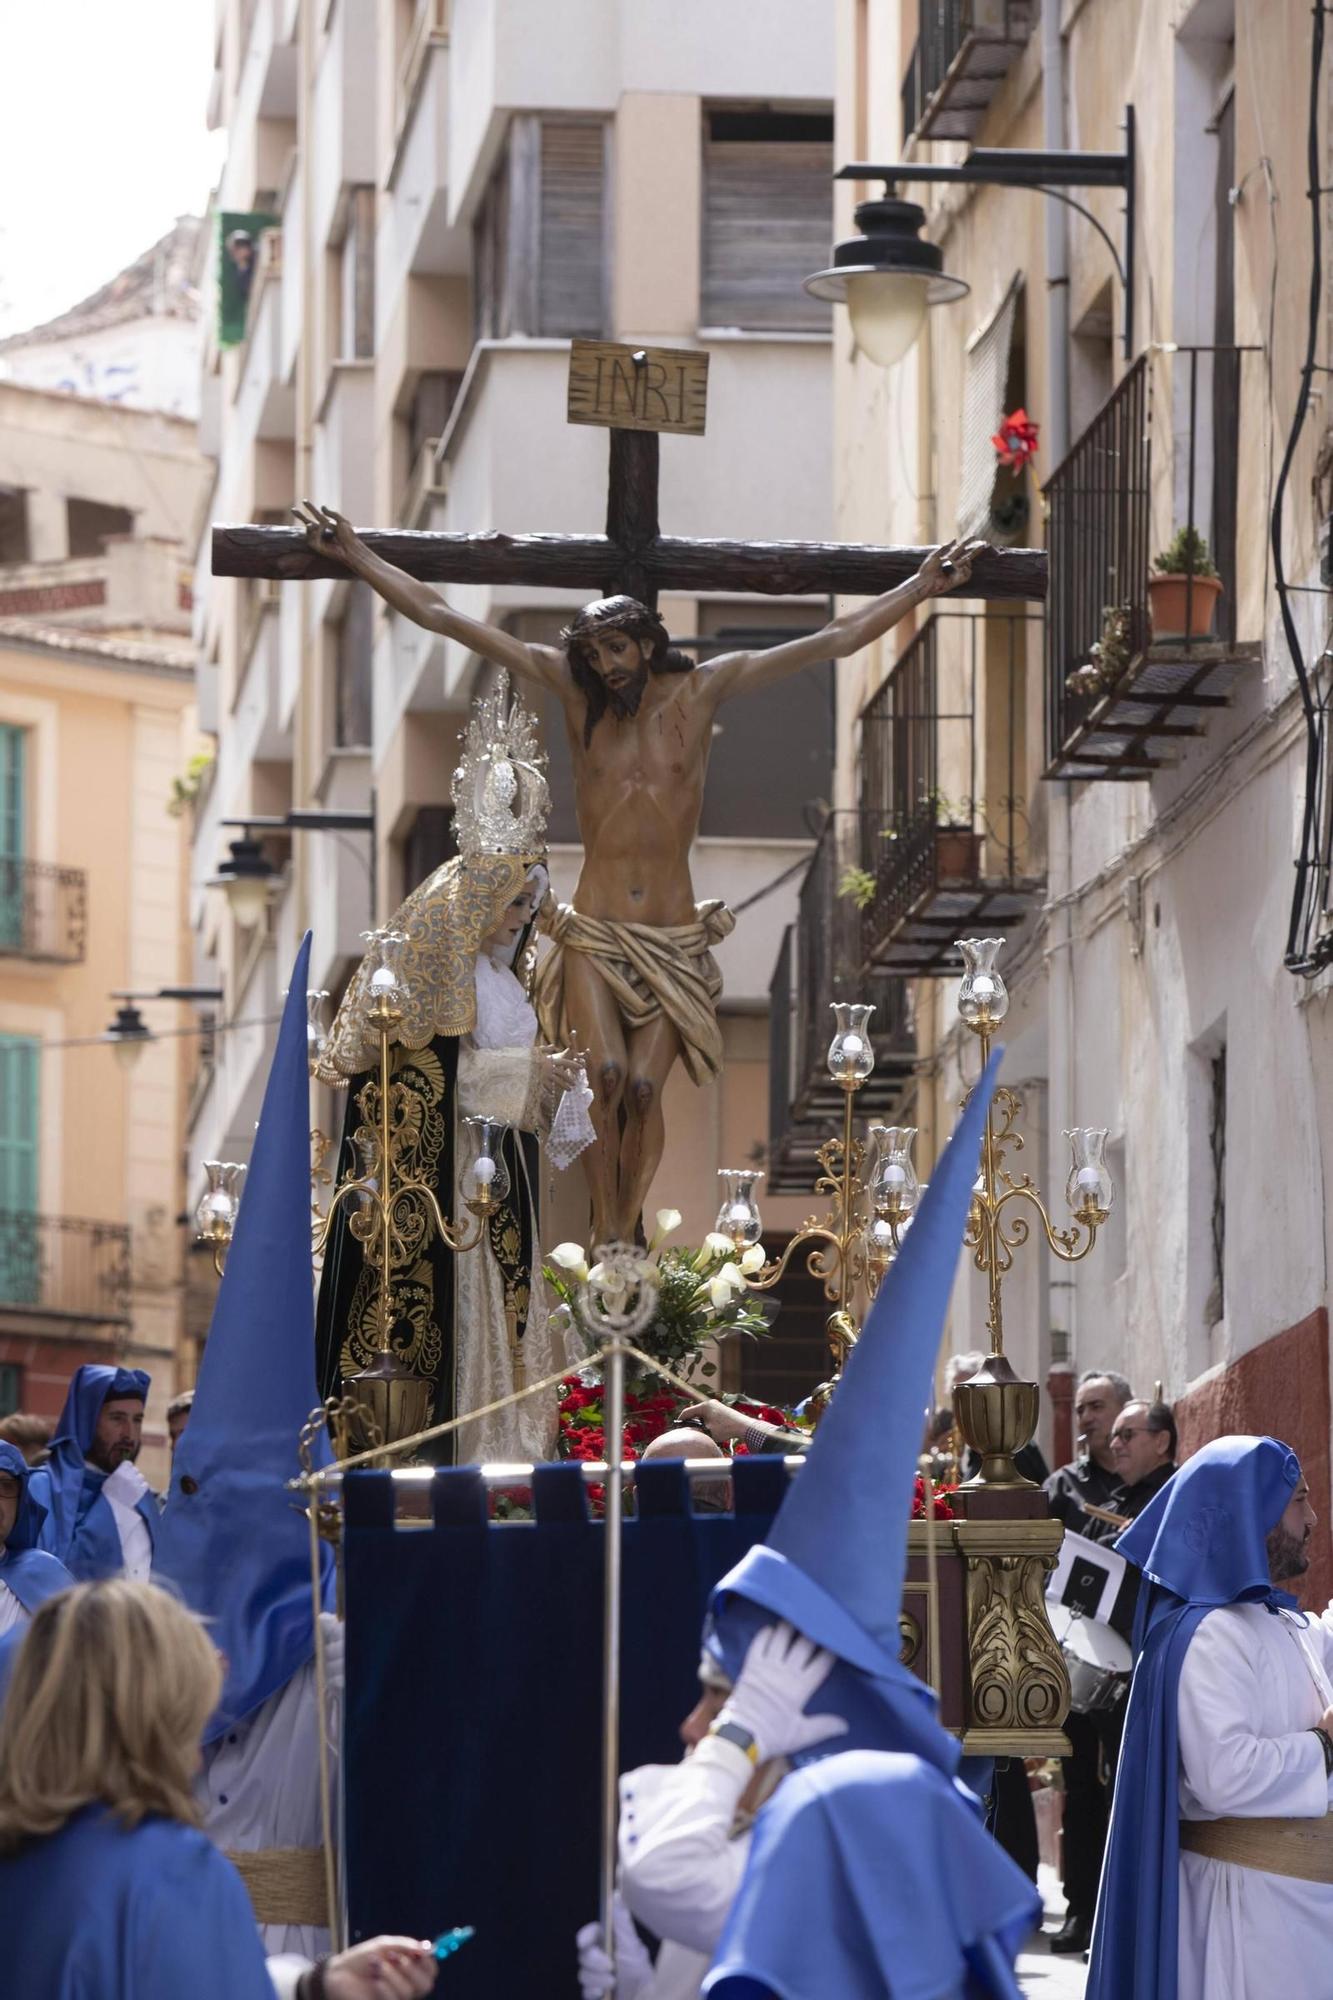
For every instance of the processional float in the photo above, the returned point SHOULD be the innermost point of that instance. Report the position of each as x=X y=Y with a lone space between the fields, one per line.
x=973 y=1622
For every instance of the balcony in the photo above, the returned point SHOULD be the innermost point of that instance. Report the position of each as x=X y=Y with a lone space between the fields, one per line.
x=963 y=53
x=1130 y=680
x=820 y=962
x=43 y=912
x=944 y=830
x=60 y=1267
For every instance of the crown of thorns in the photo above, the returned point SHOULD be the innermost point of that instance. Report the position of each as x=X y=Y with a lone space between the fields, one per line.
x=610 y=614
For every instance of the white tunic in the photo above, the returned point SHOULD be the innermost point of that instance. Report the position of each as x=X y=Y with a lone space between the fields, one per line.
x=260 y=1783
x=1247 y=1702
x=122 y=1490
x=11 y=1611
x=681 y=1862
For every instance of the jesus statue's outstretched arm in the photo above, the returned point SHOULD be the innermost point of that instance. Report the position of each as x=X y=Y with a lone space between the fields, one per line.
x=331 y=535
x=944 y=569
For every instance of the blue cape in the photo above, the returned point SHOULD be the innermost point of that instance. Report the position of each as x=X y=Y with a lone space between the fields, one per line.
x=1200 y=1542
x=835 y=1557
x=153 y=1914
x=871 y=1873
x=80 y=1529
x=29 y=1572
x=233 y=1542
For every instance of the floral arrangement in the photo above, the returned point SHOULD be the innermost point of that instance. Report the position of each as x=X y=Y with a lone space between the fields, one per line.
x=1016 y=440
x=702 y=1294
x=943 y=1507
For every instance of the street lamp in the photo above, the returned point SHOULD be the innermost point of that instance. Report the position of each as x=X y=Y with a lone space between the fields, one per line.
x=247 y=872
x=128 y=1032
x=888 y=278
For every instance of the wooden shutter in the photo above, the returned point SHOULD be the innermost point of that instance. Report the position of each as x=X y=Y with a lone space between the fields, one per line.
x=571 y=289
x=18 y=1124
x=768 y=220
x=13 y=846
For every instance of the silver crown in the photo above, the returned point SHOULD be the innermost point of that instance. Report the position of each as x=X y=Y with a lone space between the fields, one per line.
x=499 y=788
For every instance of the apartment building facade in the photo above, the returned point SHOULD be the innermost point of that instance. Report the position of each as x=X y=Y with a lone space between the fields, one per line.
x=97 y=513
x=1134 y=814
x=458 y=190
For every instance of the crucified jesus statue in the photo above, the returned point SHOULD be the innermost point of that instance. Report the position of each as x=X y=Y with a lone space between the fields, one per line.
x=631 y=977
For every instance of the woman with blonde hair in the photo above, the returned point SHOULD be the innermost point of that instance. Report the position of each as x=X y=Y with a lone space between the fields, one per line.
x=108 y=1890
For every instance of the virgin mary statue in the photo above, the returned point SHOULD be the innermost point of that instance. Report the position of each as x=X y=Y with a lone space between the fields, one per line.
x=475 y=1323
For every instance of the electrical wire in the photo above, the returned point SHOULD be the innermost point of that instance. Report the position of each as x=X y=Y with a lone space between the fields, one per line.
x=200 y=1029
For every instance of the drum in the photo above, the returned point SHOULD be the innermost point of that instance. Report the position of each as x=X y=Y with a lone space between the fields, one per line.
x=1098 y=1660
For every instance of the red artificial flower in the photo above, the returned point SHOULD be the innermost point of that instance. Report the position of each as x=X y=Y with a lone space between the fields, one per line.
x=1016 y=440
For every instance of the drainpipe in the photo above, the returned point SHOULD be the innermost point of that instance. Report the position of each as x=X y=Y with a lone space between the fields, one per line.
x=1059 y=948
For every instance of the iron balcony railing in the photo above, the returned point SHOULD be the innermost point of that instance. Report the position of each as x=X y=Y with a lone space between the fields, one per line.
x=821 y=961
x=942 y=767
x=64 y=1266
x=988 y=34
x=43 y=911
x=1107 y=521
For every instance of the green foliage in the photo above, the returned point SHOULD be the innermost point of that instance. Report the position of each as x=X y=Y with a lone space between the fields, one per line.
x=185 y=790
x=857 y=886
x=1185 y=554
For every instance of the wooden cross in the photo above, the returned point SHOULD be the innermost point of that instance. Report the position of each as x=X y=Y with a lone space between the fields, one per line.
x=633 y=556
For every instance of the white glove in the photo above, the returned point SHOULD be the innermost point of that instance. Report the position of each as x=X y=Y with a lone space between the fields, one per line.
x=634 y=1969
x=782 y=1670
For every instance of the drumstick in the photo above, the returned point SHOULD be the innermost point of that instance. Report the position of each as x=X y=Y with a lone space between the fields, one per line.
x=1105 y=1514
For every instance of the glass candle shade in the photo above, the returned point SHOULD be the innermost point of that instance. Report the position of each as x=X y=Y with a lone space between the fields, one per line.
x=739 y=1216
x=485 y=1177
x=851 y=1056
x=1090 y=1191
x=983 y=998
x=894 y=1187
x=386 y=986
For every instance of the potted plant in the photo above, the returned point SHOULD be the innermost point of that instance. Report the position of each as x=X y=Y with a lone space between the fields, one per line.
x=1184 y=589
x=957 y=847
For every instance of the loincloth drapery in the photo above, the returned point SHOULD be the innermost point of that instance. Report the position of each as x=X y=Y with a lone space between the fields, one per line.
x=651 y=969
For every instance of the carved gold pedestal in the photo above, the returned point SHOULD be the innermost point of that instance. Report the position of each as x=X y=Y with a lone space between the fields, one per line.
x=1003 y=1686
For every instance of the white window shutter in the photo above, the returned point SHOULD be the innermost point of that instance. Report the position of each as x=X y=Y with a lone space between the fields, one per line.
x=983 y=410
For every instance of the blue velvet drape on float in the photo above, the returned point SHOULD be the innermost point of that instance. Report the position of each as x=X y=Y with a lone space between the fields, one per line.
x=474 y=1673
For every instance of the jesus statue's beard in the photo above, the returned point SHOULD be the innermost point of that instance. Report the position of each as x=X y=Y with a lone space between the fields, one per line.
x=624 y=701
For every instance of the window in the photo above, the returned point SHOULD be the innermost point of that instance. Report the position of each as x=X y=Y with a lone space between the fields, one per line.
x=18 y=1124
x=985 y=405
x=89 y=523
x=768 y=218
x=772 y=755
x=356 y=279
x=430 y=843
x=351 y=670
x=430 y=409
x=11 y=1387
x=539 y=240
x=13 y=844
x=14 y=544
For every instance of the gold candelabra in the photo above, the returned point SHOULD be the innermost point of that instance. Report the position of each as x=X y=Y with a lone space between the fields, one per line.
x=848 y=1249
x=384 y=1208
x=997 y=1412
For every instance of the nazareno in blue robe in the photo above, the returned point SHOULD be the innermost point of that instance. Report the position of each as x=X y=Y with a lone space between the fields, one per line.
x=1200 y=1543
x=26 y=1569
x=80 y=1528
x=98 y=1912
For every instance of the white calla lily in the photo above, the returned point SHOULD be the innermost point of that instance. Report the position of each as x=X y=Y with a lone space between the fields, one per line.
x=753 y=1258
x=570 y=1257
x=667 y=1221
x=719 y=1244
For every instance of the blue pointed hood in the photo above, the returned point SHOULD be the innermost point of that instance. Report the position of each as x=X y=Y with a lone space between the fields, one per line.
x=232 y=1542
x=836 y=1555
x=872 y=1872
